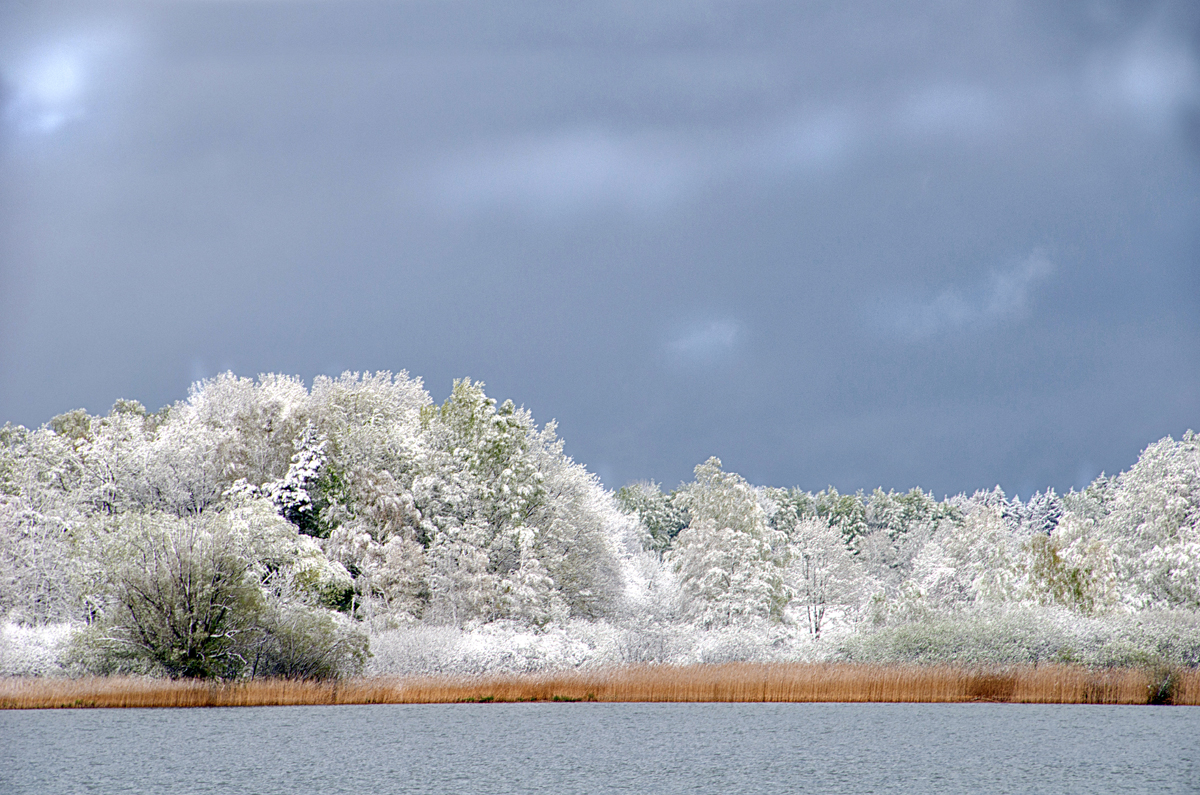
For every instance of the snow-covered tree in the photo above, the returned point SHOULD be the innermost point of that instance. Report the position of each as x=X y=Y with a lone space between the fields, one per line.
x=1043 y=512
x=660 y=516
x=1070 y=566
x=35 y=565
x=1152 y=523
x=899 y=525
x=977 y=561
x=821 y=572
x=845 y=513
x=730 y=560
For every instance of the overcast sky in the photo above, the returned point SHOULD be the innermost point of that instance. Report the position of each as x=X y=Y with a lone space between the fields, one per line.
x=946 y=244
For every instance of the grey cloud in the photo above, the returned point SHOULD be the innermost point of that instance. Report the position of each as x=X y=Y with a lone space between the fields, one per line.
x=815 y=141
x=659 y=224
x=704 y=343
x=948 y=109
x=573 y=170
x=1003 y=295
x=1150 y=79
x=568 y=172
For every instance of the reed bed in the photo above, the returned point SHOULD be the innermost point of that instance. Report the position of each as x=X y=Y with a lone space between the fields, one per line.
x=734 y=682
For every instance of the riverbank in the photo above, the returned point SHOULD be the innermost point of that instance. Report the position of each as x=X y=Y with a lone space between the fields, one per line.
x=733 y=682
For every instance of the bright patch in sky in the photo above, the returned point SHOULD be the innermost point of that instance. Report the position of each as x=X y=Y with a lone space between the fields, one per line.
x=48 y=92
x=53 y=85
x=1151 y=81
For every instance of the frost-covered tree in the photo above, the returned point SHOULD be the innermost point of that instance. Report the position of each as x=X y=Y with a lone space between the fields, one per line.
x=505 y=494
x=1071 y=565
x=660 y=514
x=845 y=513
x=1042 y=513
x=35 y=565
x=257 y=422
x=1152 y=522
x=986 y=553
x=977 y=561
x=375 y=448
x=293 y=494
x=899 y=525
x=730 y=560
x=581 y=531
x=821 y=572
x=897 y=514
x=41 y=502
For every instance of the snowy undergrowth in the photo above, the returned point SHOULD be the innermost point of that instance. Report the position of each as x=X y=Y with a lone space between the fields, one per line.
x=1026 y=634
x=1023 y=635
x=502 y=648
x=33 y=650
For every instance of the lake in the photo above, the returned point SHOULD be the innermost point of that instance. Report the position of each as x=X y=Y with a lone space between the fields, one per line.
x=602 y=748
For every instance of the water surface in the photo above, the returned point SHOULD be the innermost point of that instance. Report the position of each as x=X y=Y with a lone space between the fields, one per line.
x=601 y=748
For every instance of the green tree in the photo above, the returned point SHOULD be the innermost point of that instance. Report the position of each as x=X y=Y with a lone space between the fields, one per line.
x=180 y=597
x=661 y=516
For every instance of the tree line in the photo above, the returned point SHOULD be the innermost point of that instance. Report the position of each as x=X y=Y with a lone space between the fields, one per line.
x=261 y=527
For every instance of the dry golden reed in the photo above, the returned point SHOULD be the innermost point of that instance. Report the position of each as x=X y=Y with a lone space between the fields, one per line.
x=744 y=682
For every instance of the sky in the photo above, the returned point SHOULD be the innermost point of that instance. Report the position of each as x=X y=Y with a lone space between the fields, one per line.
x=942 y=244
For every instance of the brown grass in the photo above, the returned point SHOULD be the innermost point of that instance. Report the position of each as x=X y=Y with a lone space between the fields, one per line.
x=1048 y=684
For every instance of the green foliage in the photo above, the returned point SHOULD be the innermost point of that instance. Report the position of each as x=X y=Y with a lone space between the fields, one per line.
x=179 y=598
x=661 y=515
x=130 y=407
x=215 y=596
x=792 y=506
x=296 y=642
x=846 y=513
x=896 y=514
x=1070 y=567
x=75 y=425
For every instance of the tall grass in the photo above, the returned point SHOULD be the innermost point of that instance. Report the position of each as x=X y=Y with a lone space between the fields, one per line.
x=741 y=682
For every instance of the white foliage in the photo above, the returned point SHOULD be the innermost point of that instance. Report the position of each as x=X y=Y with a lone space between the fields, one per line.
x=1153 y=525
x=821 y=573
x=985 y=554
x=467 y=540
x=730 y=561
x=27 y=650
x=35 y=565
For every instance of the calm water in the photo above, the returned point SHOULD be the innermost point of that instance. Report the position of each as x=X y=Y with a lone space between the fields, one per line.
x=598 y=748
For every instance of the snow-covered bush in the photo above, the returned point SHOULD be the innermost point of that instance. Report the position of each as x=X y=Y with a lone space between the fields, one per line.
x=28 y=650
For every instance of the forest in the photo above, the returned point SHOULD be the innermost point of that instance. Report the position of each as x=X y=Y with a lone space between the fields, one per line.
x=265 y=528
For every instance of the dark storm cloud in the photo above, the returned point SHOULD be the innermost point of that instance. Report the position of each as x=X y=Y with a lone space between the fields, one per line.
x=944 y=244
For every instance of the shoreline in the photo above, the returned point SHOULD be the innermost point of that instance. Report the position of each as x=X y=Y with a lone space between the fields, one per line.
x=729 y=682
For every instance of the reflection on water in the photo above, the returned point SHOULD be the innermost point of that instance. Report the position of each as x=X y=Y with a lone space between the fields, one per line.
x=598 y=748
